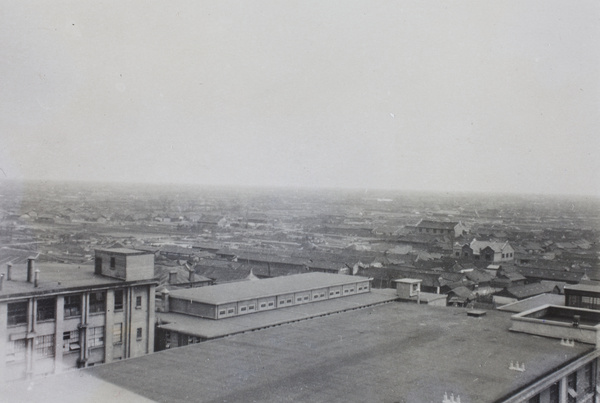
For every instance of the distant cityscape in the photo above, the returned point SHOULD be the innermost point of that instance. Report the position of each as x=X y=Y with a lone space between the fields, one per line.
x=183 y=293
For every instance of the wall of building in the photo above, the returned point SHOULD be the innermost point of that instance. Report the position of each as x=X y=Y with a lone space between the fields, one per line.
x=205 y=310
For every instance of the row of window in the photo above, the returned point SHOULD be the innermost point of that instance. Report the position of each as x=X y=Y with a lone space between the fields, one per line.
x=285 y=300
x=435 y=231
x=583 y=301
x=17 y=311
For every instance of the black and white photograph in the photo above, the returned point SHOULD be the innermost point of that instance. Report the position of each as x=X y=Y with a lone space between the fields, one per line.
x=300 y=201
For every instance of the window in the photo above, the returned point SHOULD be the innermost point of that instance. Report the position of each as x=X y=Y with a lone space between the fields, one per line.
x=138 y=302
x=15 y=350
x=457 y=254
x=96 y=336
x=553 y=393
x=243 y=309
x=17 y=313
x=299 y=299
x=250 y=307
x=572 y=388
x=306 y=298
x=289 y=301
x=222 y=312
x=118 y=300
x=588 y=378
x=97 y=302
x=44 y=346
x=263 y=305
x=112 y=263
x=270 y=304
x=138 y=333
x=230 y=310
x=71 y=341
x=72 y=305
x=118 y=333
x=46 y=309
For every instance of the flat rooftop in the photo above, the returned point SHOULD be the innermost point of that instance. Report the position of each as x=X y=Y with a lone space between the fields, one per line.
x=210 y=328
x=533 y=302
x=240 y=291
x=125 y=251
x=53 y=277
x=396 y=352
x=584 y=287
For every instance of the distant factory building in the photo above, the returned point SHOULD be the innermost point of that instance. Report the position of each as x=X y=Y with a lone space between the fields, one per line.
x=67 y=316
x=485 y=251
x=452 y=229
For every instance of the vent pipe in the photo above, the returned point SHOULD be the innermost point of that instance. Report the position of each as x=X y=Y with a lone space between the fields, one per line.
x=173 y=277
x=1 y=281
x=36 y=278
x=8 y=271
x=165 y=300
x=30 y=269
x=191 y=278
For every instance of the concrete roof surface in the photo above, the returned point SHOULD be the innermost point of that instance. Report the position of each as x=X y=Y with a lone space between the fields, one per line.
x=394 y=352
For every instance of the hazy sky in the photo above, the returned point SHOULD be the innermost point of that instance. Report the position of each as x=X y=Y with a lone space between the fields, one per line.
x=452 y=95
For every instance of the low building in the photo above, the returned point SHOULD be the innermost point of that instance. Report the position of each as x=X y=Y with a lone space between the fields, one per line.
x=409 y=290
x=241 y=298
x=583 y=295
x=67 y=316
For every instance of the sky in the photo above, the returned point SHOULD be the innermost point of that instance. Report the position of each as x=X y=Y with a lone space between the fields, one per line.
x=494 y=96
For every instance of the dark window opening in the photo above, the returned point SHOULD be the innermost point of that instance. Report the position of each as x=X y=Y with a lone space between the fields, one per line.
x=72 y=305
x=138 y=302
x=97 y=302
x=46 y=309
x=118 y=300
x=138 y=334
x=17 y=313
x=112 y=263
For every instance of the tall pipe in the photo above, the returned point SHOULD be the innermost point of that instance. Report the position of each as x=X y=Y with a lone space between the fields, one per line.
x=36 y=278
x=30 y=269
x=8 y=271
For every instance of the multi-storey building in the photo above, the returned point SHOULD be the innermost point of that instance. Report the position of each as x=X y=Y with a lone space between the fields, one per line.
x=67 y=316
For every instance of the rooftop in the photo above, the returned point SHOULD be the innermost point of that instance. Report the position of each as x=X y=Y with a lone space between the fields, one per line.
x=361 y=355
x=54 y=277
x=238 y=291
x=124 y=251
x=588 y=287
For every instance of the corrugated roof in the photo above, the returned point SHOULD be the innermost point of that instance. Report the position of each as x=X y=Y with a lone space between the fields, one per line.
x=231 y=292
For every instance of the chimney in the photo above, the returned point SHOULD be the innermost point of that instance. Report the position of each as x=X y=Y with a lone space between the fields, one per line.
x=8 y=271
x=165 y=300
x=191 y=278
x=173 y=277
x=36 y=278
x=30 y=269
x=1 y=281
